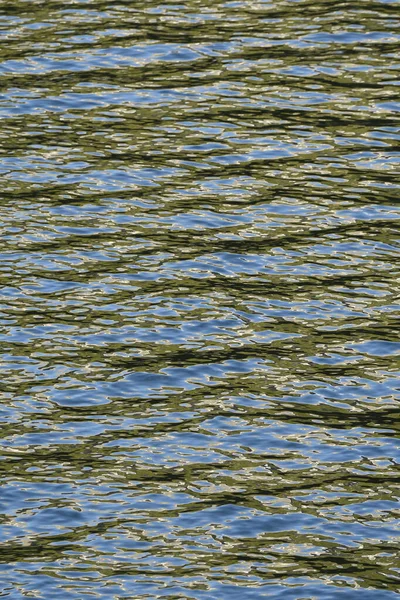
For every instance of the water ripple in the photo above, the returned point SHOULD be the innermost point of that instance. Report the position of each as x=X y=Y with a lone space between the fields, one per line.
x=199 y=300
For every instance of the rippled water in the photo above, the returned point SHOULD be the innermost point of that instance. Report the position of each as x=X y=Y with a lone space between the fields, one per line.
x=199 y=290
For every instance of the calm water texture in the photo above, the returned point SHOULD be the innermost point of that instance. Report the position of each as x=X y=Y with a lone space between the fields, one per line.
x=199 y=272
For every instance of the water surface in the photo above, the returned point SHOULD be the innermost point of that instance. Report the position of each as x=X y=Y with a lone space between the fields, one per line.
x=199 y=269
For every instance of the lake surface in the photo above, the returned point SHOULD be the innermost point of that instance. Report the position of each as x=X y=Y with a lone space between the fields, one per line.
x=199 y=270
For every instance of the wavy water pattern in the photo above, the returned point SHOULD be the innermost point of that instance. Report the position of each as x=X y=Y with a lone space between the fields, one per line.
x=199 y=299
